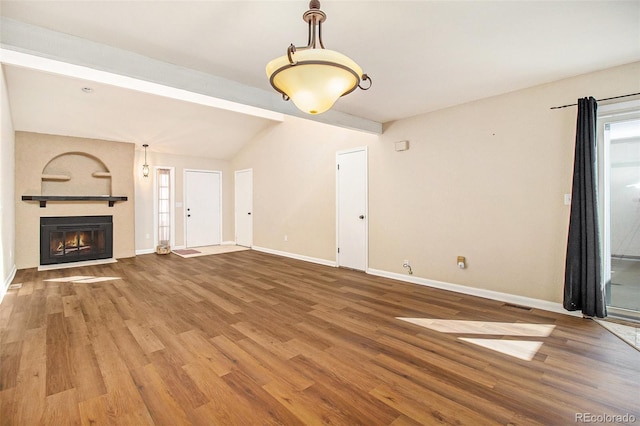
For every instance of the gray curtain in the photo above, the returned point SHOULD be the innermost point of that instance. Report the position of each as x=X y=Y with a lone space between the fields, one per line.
x=583 y=288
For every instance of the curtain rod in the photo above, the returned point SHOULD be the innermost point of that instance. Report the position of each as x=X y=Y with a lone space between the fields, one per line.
x=599 y=100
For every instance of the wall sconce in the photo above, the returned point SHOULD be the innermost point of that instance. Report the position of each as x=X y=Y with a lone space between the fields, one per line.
x=145 y=166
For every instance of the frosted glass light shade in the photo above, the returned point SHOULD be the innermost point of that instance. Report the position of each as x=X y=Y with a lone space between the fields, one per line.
x=317 y=80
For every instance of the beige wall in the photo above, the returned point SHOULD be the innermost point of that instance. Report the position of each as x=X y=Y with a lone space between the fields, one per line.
x=7 y=179
x=33 y=152
x=145 y=195
x=294 y=185
x=483 y=180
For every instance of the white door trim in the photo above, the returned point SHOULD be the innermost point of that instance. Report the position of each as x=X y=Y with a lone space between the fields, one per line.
x=184 y=199
x=366 y=197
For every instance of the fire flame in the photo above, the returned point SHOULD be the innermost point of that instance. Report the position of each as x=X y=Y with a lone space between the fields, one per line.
x=73 y=241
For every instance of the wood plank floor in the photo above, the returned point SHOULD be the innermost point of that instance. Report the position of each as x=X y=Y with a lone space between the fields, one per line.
x=250 y=338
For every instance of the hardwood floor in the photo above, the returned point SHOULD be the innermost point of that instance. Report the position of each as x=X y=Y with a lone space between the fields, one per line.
x=249 y=338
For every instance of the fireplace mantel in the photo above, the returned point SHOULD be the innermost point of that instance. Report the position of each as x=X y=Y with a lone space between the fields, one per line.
x=44 y=198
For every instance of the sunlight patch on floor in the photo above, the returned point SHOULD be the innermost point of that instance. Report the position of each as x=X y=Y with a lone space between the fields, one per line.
x=521 y=349
x=483 y=327
x=82 y=279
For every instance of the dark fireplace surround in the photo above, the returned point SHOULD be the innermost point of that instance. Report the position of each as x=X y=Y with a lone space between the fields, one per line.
x=67 y=239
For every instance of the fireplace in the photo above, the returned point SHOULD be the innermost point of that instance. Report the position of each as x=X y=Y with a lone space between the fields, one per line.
x=75 y=238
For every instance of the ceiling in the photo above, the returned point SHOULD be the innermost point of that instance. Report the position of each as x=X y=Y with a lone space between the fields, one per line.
x=421 y=55
x=113 y=113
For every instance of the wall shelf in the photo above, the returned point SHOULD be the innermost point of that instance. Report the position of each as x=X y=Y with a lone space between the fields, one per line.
x=56 y=177
x=101 y=174
x=44 y=198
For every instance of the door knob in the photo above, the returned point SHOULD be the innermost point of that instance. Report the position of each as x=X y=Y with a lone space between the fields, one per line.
x=188 y=215
x=249 y=213
x=361 y=216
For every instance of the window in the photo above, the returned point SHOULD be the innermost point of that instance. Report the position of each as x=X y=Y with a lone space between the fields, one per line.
x=619 y=197
x=164 y=207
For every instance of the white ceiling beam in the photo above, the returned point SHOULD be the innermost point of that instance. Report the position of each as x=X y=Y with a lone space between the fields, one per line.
x=39 y=63
x=141 y=73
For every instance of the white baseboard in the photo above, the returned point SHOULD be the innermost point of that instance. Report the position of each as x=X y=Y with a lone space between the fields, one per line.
x=7 y=282
x=479 y=292
x=228 y=243
x=296 y=256
x=457 y=288
x=145 y=251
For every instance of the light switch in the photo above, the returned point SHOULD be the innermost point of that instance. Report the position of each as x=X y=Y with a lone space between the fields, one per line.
x=567 y=199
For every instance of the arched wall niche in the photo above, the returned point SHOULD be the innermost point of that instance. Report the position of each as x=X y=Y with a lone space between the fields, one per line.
x=76 y=173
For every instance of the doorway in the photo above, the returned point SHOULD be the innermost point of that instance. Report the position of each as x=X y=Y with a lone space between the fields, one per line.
x=351 y=209
x=619 y=184
x=244 y=207
x=203 y=218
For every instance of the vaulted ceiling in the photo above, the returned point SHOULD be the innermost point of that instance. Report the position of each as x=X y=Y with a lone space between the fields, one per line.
x=421 y=55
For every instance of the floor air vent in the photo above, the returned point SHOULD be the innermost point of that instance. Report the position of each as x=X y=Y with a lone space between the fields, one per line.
x=511 y=305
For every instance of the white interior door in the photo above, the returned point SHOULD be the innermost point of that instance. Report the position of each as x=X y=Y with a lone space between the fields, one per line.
x=202 y=208
x=352 y=220
x=244 y=207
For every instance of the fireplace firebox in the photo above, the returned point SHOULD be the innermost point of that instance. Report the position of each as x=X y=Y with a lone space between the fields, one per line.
x=75 y=238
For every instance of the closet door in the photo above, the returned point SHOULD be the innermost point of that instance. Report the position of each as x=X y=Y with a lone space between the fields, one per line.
x=244 y=207
x=352 y=220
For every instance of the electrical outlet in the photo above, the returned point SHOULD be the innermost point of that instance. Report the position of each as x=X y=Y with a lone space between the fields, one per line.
x=405 y=263
x=462 y=262
x=286 y=238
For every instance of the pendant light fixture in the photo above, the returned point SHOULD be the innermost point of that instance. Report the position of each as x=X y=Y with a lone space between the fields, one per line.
x=145 y=166
x=311 y=76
